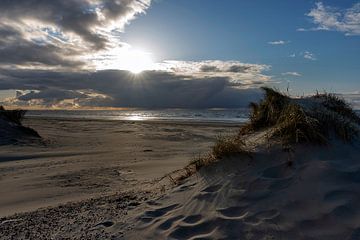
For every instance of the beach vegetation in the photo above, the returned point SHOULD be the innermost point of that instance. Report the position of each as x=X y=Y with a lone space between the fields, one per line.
x=314 y=119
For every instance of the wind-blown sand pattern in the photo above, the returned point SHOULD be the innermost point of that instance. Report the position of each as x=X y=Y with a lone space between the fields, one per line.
x=317 y=196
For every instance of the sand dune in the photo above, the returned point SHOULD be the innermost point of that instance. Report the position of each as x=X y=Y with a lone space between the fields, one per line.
x=315 y=197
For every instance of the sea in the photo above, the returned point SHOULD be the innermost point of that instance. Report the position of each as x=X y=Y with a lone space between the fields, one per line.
x=239 y=115
x=178 y=115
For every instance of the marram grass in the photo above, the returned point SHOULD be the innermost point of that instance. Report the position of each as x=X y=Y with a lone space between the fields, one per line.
x=315 y=119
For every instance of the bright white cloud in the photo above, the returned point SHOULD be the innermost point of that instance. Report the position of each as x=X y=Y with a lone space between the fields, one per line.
x=279 y=42
x=334 y=19
x=309 y=56
x=306 y=55
x=295 y=74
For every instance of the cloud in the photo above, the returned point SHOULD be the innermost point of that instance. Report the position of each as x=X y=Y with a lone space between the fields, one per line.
x=57 y=33
x=306 y=55
x=236 y=72
x=329 y=18
x=294 y=74
x=309 y=56
x=279 y=42
x=16 y=50
x=49 y=50
x=186 y=86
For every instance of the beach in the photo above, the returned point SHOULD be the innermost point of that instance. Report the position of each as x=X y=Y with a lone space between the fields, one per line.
x=290 y=172
x=81 y=159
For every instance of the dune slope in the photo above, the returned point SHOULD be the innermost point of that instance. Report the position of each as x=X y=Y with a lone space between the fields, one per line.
x=316 y=196
x=302 y=180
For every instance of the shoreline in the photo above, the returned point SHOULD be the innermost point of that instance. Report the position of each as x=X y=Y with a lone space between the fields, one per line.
x=146 y=121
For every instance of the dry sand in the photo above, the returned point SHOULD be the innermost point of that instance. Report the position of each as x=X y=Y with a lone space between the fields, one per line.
x=315 y=196
x=81 y=159
x=113 y=167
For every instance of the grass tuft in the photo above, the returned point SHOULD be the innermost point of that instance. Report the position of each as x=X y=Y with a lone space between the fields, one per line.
x=227 y=146
x=313 y=119
x=223 y=147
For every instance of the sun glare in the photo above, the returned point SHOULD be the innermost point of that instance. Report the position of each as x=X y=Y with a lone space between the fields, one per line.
x=136 y=61
x=129 y=59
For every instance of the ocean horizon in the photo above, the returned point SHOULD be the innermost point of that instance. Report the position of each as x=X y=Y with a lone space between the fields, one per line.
x=240 y=115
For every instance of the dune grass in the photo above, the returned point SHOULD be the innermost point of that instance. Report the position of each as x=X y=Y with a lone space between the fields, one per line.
x=314 y=119
x=225 y=146
x=14 y=116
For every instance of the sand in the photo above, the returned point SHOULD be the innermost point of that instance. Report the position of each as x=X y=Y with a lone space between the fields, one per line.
x=110 y=171
x=314 y=196
x=79 y=160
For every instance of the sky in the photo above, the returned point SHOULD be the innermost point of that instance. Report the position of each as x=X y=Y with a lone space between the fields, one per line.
x=175 y=53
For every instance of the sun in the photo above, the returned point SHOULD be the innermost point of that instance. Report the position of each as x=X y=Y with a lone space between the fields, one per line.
x=128 y=59
x=137 y=61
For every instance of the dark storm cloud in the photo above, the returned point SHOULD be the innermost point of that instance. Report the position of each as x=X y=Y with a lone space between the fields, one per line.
x=152 y=89
x=50 y=94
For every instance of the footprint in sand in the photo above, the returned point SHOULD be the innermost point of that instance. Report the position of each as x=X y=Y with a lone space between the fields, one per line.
x=233 y=212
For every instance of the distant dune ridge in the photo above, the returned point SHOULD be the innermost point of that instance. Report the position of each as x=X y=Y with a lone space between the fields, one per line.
x=11 y=129
x=301 y=179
